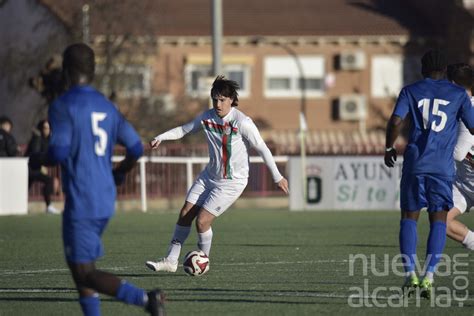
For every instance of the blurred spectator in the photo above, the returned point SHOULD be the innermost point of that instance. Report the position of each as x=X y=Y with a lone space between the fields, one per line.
x=37 y=150
x=8 y=146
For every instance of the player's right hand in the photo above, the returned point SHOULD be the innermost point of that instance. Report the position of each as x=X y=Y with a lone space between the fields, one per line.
x=154 y=143
x=390 y=157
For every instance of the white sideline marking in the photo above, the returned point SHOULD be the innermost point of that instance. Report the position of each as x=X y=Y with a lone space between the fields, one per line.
x=134 y=268
x=13 y=272
x=280 y=262
x=38 y=291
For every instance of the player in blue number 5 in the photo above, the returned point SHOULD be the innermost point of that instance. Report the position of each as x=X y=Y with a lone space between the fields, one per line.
x=432 y=107
x=85 y=128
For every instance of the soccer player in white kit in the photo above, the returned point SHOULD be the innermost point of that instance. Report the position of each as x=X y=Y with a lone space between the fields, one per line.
x=463 y=188
x=230 y=134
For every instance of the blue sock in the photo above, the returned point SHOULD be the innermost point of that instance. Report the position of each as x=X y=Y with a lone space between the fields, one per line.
x=130 y=294
x=408 y=239
x=436 y=242
x=90 y=305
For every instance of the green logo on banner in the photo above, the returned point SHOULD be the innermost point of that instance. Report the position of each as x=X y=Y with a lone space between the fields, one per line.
x=313 y=189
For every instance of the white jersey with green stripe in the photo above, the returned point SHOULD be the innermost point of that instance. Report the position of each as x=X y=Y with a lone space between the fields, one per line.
x=465 y=142
x=229 y=140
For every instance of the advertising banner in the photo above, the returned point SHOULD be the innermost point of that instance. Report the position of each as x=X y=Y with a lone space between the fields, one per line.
x=344 y=183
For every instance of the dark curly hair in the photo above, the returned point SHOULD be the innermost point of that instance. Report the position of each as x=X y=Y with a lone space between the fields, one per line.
x=433 y=61
x=227 y=88
x=461 y=74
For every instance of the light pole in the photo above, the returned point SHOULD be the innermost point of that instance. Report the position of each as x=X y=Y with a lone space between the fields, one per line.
x=216 y=37
x=216 y=12
x=85 y=23
x=302 y=114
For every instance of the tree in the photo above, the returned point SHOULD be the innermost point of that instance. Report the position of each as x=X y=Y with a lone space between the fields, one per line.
x=24 y=50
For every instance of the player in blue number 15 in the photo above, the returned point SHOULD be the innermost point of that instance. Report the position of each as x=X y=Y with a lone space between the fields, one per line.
x=85 y=128
x=432 y=107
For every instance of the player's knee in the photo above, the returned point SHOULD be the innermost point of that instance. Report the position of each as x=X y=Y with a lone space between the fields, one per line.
x=449 y=229
x=439 y=216
x=82 y=273
x=187 y=214
x=185 y=219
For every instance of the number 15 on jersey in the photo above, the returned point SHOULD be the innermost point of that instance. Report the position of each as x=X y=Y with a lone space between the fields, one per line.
x=436 y=110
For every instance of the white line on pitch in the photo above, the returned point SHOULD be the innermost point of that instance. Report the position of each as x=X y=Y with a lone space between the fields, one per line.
x=13 y=272
x=134 y=268
x=38 y=290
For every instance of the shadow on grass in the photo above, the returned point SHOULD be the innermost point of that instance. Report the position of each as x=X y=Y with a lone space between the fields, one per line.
x=38 y=299
x=48 y=299
x=256 y=296
x=246 y=290
x=253 y=301
x=141 y=275
x=369 y=246
x=267 y=245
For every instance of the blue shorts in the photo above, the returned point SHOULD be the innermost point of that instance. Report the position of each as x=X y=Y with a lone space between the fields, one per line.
x=419 y=191
x=82 y=239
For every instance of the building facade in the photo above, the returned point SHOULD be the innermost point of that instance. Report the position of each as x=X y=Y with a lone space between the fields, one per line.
x=342 y=64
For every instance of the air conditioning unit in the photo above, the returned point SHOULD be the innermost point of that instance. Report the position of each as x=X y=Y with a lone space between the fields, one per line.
x=352 y=60
x=352 y=107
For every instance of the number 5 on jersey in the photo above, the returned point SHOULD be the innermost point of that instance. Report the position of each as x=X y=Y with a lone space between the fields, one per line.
x=101 y=143
x=436 y=111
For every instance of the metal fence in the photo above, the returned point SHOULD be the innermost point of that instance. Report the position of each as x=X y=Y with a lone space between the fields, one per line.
x=165 y=177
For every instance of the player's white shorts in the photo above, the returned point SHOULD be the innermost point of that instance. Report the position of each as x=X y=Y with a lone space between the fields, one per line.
x=216 y=196
x=462 y=199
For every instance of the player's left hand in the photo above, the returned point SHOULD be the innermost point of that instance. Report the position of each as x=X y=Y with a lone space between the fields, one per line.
x=390 y=157
x=283 y=185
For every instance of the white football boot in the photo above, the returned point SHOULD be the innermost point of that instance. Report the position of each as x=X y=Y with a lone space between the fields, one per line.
x=162 y=265
x=52 y=210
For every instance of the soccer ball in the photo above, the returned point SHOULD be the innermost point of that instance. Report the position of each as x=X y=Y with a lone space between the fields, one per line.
x=196 y=263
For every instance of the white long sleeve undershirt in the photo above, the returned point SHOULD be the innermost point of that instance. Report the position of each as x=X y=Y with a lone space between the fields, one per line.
x=267 y=156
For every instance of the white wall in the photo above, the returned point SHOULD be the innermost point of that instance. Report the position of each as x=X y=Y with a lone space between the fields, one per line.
x=13 y=186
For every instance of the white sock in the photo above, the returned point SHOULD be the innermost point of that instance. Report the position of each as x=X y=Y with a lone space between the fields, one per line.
x=429 y=276
x=469 y=240
x=410 y=274
x=180 y=235
x=205 y=241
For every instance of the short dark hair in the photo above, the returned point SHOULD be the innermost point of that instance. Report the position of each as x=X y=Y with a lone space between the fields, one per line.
x=461 y=74
x=433 y=61
x=227 y=88
x=40 y=124
x=79 y=59
x=5 y=119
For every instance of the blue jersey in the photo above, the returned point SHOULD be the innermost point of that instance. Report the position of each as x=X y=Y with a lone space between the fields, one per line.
x=85 y=128
x=434 y=108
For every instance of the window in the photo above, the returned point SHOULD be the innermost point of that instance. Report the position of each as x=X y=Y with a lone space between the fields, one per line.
x=198 y=78
x=128 y=80
x=386 y=76
x=283 y=78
